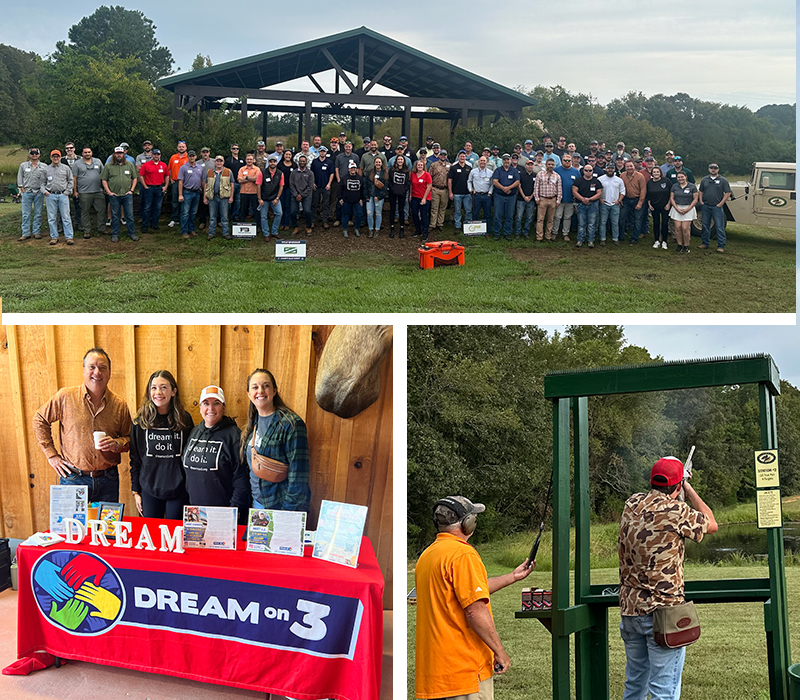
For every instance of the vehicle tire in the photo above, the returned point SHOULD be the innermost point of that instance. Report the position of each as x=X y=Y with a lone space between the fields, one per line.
x=697 y=224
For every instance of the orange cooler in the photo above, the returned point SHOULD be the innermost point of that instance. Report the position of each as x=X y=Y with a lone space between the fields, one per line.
x=438 y=253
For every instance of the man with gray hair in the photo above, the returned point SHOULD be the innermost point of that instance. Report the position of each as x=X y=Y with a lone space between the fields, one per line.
x=458 y=649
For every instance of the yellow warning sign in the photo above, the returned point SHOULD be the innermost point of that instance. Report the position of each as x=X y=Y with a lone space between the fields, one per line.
x=768 y=507
x=767 y=475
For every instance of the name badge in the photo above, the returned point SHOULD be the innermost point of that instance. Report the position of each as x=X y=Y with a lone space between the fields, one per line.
x=509 y=177
x=267 y=179
x=188 y=171
x=572 y=176
x=49 y=177
x=592 y=188
x=458 y=170
x=421 y=180
x=27 y=170
x=686 y=191
x=127 y=172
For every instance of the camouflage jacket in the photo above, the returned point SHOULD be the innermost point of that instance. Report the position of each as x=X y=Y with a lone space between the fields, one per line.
x=651 y=550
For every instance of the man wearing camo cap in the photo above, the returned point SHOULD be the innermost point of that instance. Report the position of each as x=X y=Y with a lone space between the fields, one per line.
x=458 y=649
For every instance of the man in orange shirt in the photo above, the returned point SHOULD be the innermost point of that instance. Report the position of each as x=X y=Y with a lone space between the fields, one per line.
x=175 y=164
x=457 y=646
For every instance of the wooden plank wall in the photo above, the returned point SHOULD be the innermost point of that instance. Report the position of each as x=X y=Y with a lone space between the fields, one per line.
x=351 y=460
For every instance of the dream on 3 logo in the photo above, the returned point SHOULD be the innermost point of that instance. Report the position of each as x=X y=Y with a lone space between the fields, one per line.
x=78 y=592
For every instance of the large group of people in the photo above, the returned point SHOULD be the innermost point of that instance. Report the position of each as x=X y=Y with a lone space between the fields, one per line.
x=175 y=463
x=600 y=193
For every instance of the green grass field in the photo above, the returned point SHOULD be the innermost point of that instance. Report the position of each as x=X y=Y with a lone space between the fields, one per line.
x=729 y=661
x=162 y=273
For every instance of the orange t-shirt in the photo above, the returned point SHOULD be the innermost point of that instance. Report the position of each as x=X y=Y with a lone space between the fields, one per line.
x=175 y=163
x=450 y=658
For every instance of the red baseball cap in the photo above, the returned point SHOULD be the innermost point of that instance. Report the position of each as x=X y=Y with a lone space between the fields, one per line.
x=668 y=471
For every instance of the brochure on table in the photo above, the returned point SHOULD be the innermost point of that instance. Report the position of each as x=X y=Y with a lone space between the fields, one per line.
x=67 y=502
x=339 y=532
x=207 y=527
x=276 y=531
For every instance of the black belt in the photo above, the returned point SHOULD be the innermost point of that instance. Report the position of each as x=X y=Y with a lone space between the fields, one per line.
x=62 y=192
x=190 y=189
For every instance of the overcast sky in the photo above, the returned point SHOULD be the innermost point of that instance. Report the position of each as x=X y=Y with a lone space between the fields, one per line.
x=738 y=51
x=694 y=342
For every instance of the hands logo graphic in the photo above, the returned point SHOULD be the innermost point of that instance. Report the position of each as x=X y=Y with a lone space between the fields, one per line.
x=78 y=592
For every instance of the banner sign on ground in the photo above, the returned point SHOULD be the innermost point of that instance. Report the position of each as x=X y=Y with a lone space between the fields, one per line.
x=475 y=228
x=290 y=250
x=243 y=230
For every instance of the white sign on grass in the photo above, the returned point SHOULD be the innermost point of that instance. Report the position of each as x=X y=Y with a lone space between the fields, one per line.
x=474 y=228
x=290 y=250
x=244 y=231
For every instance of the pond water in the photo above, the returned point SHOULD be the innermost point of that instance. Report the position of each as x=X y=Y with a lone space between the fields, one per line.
x=740 y=538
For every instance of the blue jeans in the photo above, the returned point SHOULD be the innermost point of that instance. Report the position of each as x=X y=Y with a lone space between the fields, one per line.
x=277 y=215
x=462 y=201
x=286 y=206
x=482 y=202
x=606 y=211
x=237 y=198
x=630 y=216
x=58 y=204
x=712 y=211
x=354 y=210
x=101 y=488
x=190 y=201
x=649 y=667
x=126 y=204
x=218 y=209
x=503 y=215
x=151 y=206
x=374 y=213
x=305 y=205
x=587 y=219
x=524 y=217
x=31 y=199
x=421 y=213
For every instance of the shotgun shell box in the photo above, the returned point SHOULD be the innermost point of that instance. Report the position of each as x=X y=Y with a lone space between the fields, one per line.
x=547 y=599
x=527 y=599
x=536 y=598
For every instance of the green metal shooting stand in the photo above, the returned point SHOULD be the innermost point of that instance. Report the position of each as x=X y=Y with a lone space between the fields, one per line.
x=587 y=618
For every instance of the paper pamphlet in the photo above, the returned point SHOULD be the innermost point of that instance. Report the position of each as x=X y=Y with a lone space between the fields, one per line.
x=208 y=527
x=339 y=532
x=276 y=531
x=67 y=502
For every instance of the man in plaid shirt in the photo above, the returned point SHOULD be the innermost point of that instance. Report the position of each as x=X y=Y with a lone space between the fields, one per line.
x=547 y=193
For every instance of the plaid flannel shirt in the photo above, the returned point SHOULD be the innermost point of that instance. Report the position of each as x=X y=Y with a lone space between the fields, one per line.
x=286 y=440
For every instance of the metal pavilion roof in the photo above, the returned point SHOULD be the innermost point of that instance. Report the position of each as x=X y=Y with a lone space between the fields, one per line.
x=386 y=61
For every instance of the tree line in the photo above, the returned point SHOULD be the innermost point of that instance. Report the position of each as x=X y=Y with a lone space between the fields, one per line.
x=100 y=87
x=479 y=425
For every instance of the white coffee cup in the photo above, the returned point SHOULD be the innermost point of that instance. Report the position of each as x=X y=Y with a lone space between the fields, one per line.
x=98 y=436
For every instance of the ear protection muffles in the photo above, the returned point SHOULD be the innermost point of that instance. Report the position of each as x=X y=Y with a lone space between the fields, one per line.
x=468 y=520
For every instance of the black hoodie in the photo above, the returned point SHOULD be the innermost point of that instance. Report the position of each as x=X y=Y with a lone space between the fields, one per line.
x=214 y=474
x=156 y=466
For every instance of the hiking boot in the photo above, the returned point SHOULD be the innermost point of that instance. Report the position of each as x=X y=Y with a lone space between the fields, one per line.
x=70 y=241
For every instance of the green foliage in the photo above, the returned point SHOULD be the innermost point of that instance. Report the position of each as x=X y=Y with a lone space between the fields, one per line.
x=97 y=102
x=201 y=61
x=783 y=119
x=478 y=425
x=115 y=31
x=16 y=108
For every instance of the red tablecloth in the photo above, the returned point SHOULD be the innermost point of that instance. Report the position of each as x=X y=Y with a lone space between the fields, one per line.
x=297 y=626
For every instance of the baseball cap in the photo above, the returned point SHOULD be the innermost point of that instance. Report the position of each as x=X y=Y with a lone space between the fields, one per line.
x=443 y=515
x=190 y=153
x=55 y=152
x=404 y=138
x=212 y=392
x=119 y=149
x=157 y=151
x=124 y=144
x=147 y=141
x=323 y=148
x=678 y=158
x=352 y=164
x=528 y=141
x=667 y=471
x=260 y=143
x=273 y=156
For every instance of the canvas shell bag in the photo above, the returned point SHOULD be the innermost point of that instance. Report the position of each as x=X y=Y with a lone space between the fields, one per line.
x=267 y=468
x=676 y=626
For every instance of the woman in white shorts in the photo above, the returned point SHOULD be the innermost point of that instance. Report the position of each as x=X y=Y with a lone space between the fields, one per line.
x=683 y=198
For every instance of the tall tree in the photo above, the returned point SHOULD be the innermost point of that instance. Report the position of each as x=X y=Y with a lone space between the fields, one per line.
x=15 y=104
x=120 y=32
